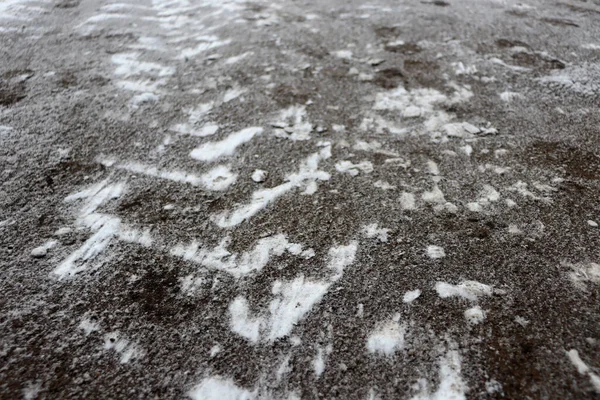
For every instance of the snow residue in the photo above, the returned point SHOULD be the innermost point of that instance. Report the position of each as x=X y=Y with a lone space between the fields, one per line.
x=232 y=94
x=411 y=296
x=196 y=125
x=293 y=124
x=579 y=79
x=340 y=257
x=105 y=227
x=474 y=315
x=320 y=359
x=510 y=96
x=493 y=386
x=373 y=230
x=343 y=54
x=434 y=196
x=32 y=390
x=432 y=168
x=234 y=59
x=583 y=273
x=451 y=386
x=216 y=349
x=387 y=338
x=213 y=150
x=88 y=326
x=190 y=284
x=218 y=388
x=470 y=290
x=127 y=350
x=407 y=201
x=143 y=98
x=128 y=65
x=292 y=300
x=583 y=369
x=487 y=196
x=219 y=178
x=435 y=252
x=306 y=178
x=238 y=265
x=401 y=99
x=383 y=185
x=353 y=169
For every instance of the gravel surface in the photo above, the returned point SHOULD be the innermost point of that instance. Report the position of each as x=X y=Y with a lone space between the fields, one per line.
x=222 y=199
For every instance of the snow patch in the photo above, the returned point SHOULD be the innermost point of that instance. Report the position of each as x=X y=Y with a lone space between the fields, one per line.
x=213 y=150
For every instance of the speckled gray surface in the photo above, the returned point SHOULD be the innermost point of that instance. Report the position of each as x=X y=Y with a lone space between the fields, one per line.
x=425 y=228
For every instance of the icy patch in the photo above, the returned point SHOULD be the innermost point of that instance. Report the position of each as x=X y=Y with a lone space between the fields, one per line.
x=340 y=257
x=581 y=79
x=373 y=230
x=213 y=150
x=218 y=388
x=470 y=290
x=353 y=169
x=387 y=338
x=128 y=65
x=306 y=178
x=510 y=96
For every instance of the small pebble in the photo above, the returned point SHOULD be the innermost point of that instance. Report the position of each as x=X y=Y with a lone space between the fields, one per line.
x=39 y=252
x=592 y=223
x=259 y=175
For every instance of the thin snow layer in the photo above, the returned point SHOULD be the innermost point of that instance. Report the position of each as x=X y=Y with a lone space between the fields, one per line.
x=238 y=265
x=584 y=369
x=292 y=300
x=305 y=178
x=126 y=349
x=353 y=169
x=292 y=123
x=374 y=231
x=387 y=338
x=451 y=385
x=411 y=295
x=474 y=315
x=435 y=252
x=218 y=388
x=217 y=179
x=470 y=290
x=213 y=150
